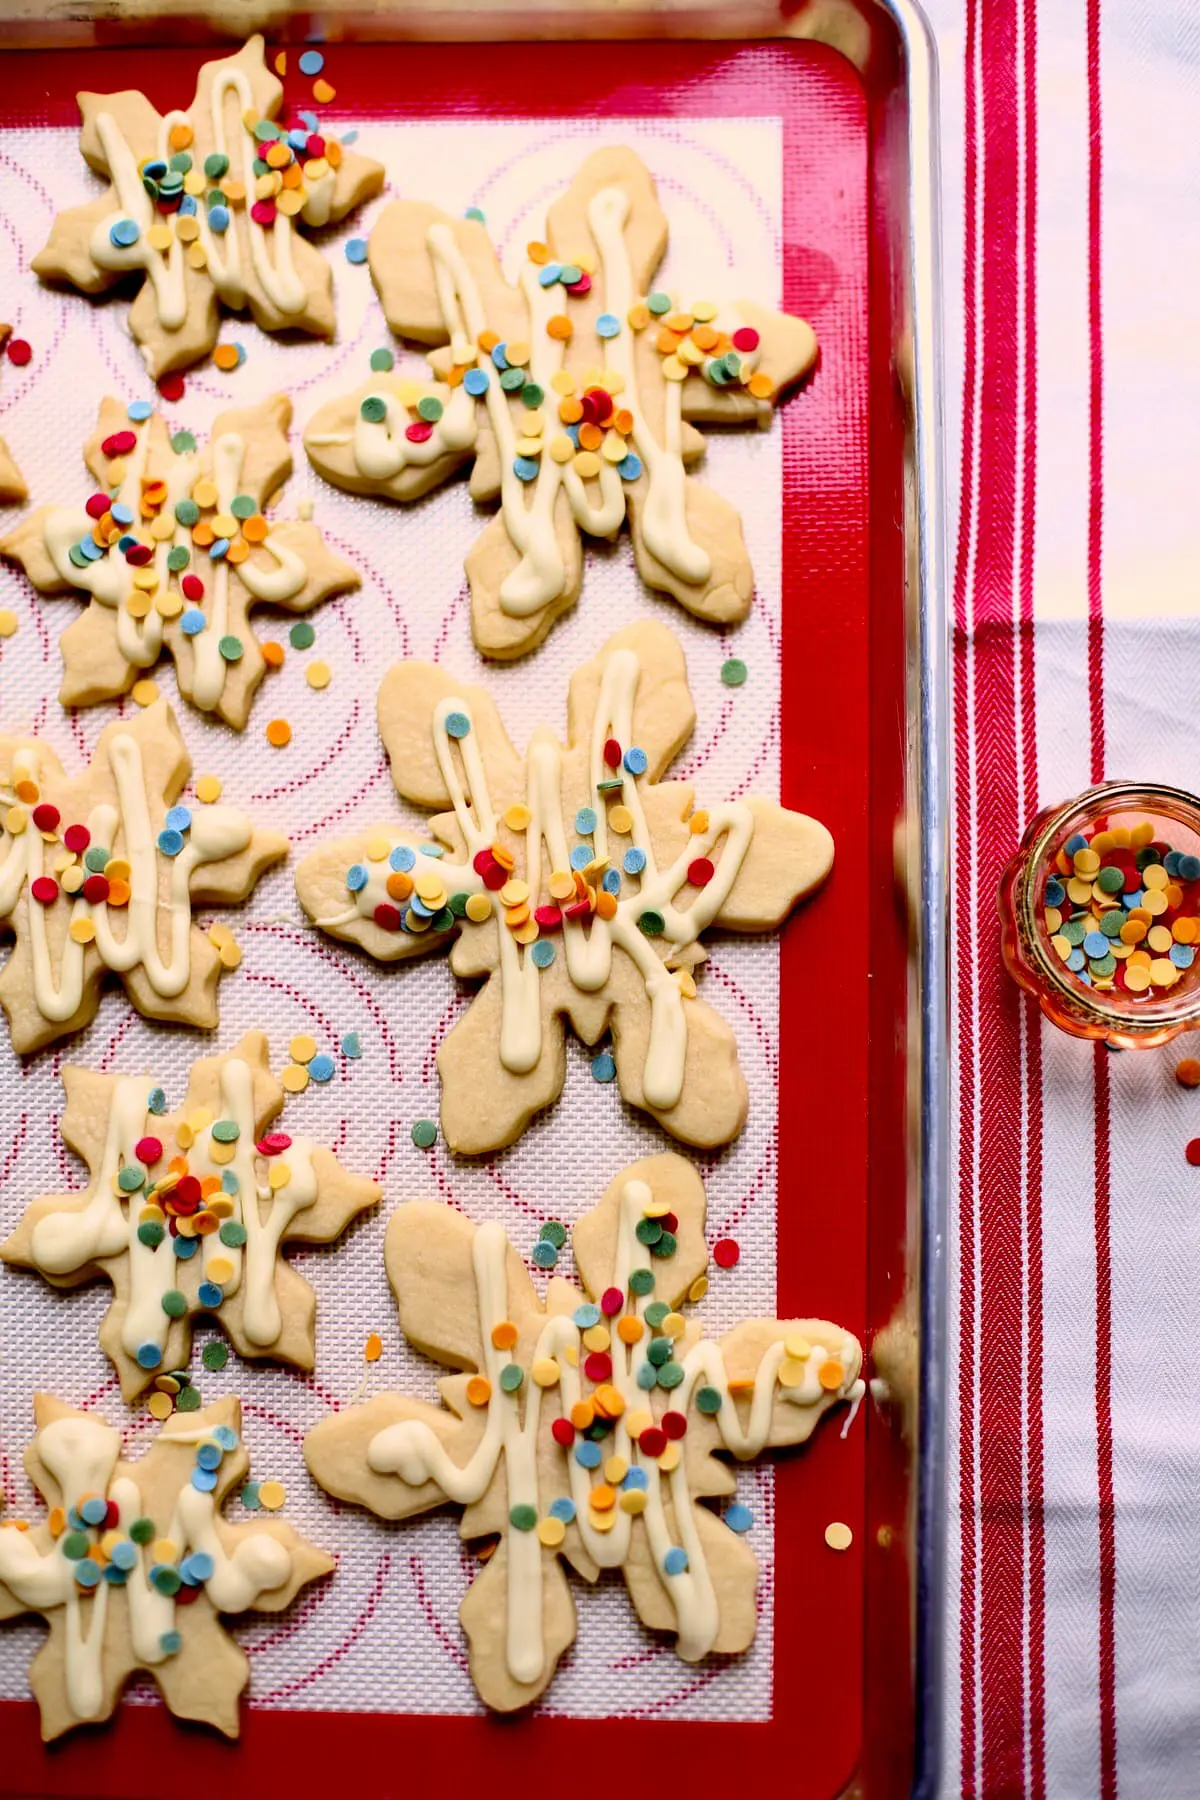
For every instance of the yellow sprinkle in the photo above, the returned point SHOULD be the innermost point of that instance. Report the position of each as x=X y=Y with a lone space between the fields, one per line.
x=197 y=255
x=1154 y=877
x=222 y=1153
x=601 y=1521
x=562 y=382
x=185 y=1137
x=160 y=235
x=517 y=817
x=670 y=1457
x=673 y=369
x=562 y=885
x=528 y=446
x=1163 y=972
x=272 y=1495
x=1142 y=834
x=160 y=1406
x=278 y=1176
x=208 y=789
x=219 y=934
x=534 y=423
x=528 y=932
x=791 y=1373
x=634 y=1501
x=479 y=907
x=82 y=930
x=8 y=622
x=429 y=888
x=294 y=1078
x=168 y=603
x=15 y=820
x=302 y=1048
x=164 y=1550
x=378 y=849
x=698 y=1288
x=221 y=1206
x=318 y=675
x=797 y=1347
x=551 y=1532
x=838 y=1536
x=144 y=692
x=674 y=1325
x=561 y=449
x=615 y=1470
x=230 y=954
x=586 y=464
x=219 y=1269
x=513 y=893
x=703 y=311
x=545 y=1372
x=597 y=1337
x=204 y=491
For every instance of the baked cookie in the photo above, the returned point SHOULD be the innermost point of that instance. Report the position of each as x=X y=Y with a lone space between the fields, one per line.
x=175 y=548
x=585 y=1428
x=99 y=871
x=574 y=394
x=207 y=205
x=12 y=482
x=187 y=1213
x=575 y=881
x=136 y=1566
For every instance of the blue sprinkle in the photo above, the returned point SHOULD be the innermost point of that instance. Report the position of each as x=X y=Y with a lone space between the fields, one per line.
x=636 y=761
x=608 y=325
x=543 y=953
x=1085 y=977
x=630 y=467
x=156 y=169
x=1076 y=961
x=75 y=1520
x=179 y=818
x=149 y=1355
x=573 y=434
x=229 y=1181
x=311 y=62
x=548 y=274
x=208 y=1456
x=322 y=1067
x=563 y=1508
x=603 y=1067
x=170 y=842
x=227 y=1437
x=209 y=1294
x=349 y=137
x=156 y=1100
x=90 y=549
x=310 y=121
x=202 y=1565
x=647 y=1376
x=417 y=905
x=1189 y=867
x=1056 y=893
x=170 y=1642
x=675 y=1561
x=588 y=1455
x=1129 y=901
x=544 y=1255
x=185 y=1248
x=203 y=1482
x=477 y=382
x=126 y=541
x=585 y=821
x=187 y=206
x=458 y=725
x=356 y=877
x=472 y=212
x=124 y=233
x=612 y=881
x=432 y=849
x=137 y=410
x=1182 y=955
x=738 y=1517
x=636 y=1477
x=87 y=1573
x=114 y=1575
x=586 y=1316
x=401 y=858
x=192 y=622
x=581 y=856
x=356 y=250
x=218 y=548
x=634 y=862
x=121 y=513
x=1078 y=842
x=124 y=1555
x=352 y=1045
x=186 y=1574
x=499 y=359
x=296 y=138
x=525 y=468
x=218 y=219
x=1171 y=861
x=94 y=1510
x=1095 y=944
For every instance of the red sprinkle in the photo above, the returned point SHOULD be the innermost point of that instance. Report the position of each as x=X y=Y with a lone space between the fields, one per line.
x=19 y=351
x=46 y=817
x=77 y=838
x=315 y=145
x=653 y=1442
x=726 y=1251
x=674 y=1424
x=700 y=872
x=387 y=917
x=273 y=1143
x=598 y=1366
x=582 y=286
x=482 y=861
x=263 y=212
x=96 y=505
x=579 y=909
x=95 y=889
x=612 y=753
x=193 y=587
x=548 y=917
x=187 y=1596
x=612 y=1300
x=669 y=1222
x=171 y=388
x=185 y=1195
x=44 y=890
x=148 y=1149
x=138 y=555
x=419 y=432
x=1193 y=1152
x=745 y=339
x=119 y=444
x=494 y=877
x=563 y=1432
x=112 y=1517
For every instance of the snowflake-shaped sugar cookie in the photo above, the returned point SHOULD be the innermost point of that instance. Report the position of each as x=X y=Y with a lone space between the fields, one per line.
x=573 y=393
x=136 y=1565
x=175 y=548
x=206 y=204
x=187 y=1213
x=584 y=1429
x=576 y=881
x=99 y=871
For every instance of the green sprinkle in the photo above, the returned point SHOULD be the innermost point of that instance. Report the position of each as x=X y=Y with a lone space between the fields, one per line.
x=658 y=1350
x=131 y=1178
x=554 y=1233
x=143 y=1531
x=652 y=923
x=648 y=1231
x=429 y=407
x=243 y=506
x=181 y=162
x=443 y=920
x=666 y=1245
x=655 y=1313
x=166 y=1579
x=1111 y=881
x=641 y=1281
x=182 y=442
x=708 y=1400
x=178 y=557
x=1113 y=921
x=216 y=165
x=151 y=1234
x=382 y=361
x=174 y=1304
x=75 y=1545
x=231 y=649
x=374 y=409
x=512 y=380
x=232 y=1234
x=302 y=636
x=186 y=512
x=188 y=1400
x=670 y=1375
x=95 y=859
x=214 y=1356
x=511 y=1377
x=532 y=395
x=1074 y=930
x=733 y=671
x=658 y=303
x=226 y=1131
x=250 y=1499
x=424 y=1134
x=523 y=1518
x=458 y=906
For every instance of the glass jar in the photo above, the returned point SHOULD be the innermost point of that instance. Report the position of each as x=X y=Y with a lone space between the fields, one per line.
x=1051 y=950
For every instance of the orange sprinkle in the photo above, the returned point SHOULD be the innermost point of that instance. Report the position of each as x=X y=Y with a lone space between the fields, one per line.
x=237 y=552
x=180 y=136
x=680 y=323
x=570 y=410
x=203 y=534
x=623 y=421
x=479 y=1390
x=333 y=153
x=590 y=437
x=762 y=387
x=279 y=733
x=454 y=375
x=703 y=336
x=666 y=341
x=504 y=1335
x=118 y=893
x=292 y=177
x=225 y=356
x=831 y=1375
x=630 y=1329
x=559 y=326
x=583 y=1414
x=278 y=156
x=323 y=93
x=154 y=492
x=281 y=62
x=606 y=904
x=537 y=252
x=272 y=654
x=603 y=1497
x=27 y=790
x=610 y=1401
x=57 y=1521
x=206 y=1224
x=374 y=1349
x=254 y=529
x=487 y=341
x=1187 y=1072
x=399 y=885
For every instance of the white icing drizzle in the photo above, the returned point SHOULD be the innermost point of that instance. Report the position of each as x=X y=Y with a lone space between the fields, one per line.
x=587 y=945
x=65 y=1241
x=381 y=449
x=110 y=578
x=272 y=261
x=82 y=1454
x=411 y=1450
x=125 y=830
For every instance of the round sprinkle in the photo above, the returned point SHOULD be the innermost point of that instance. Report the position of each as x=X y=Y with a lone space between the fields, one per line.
x=603 y=1067
x=8 y=622
x=250 y=1496
x=523 y=1518
x=302 y=635
x=545 y=1256
x=585 y=821
x=352 y=1045
x=311 y=62
x=608 y=325
x=322 y=1067
x=356 y=250
x=318 y=675
x=302 y=1048
x=733 y=671
x=149 y=1356
x=675 y=1561
x=279 y=733
x=272 y=1495
x=554 y=1233
x=726 y=1252
x=1187 y=1072
x=19 y=351
x=215 y=1355
x=542 y=953
x=511 y=1377
x=634 y=861
x=738 y=1517
x=124 y=233
x=424 y=1134
x=458 y=725
x=231 y=648
x=374 y=409
x=837 y=1535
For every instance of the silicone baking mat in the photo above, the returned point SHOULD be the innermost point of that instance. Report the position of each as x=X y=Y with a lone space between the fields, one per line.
x=759 y=203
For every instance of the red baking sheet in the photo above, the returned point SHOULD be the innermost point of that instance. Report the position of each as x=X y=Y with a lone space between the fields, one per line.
x=842 y=1030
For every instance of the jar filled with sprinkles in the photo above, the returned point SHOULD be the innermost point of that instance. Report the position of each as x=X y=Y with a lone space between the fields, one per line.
x=1100 y=914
